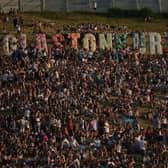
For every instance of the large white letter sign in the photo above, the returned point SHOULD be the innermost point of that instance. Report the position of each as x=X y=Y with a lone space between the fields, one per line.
x=74 y=39
x=155 y=44
x=166 y=37
x=58 y=38
x=135 y=40
x=105 y=43
x=120 y=40
x=9 y=44
x=139 y=42
x=23 y=41
x=89 y=42
x=41 y=42
x=142 y=43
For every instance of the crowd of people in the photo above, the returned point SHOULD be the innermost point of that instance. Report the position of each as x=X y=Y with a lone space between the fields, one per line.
x=83 y=109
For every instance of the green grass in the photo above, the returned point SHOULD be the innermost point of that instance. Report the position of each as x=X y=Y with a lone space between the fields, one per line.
x=157 y=25
x=73 y=18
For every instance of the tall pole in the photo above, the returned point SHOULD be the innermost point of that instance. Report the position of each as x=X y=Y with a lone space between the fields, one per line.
x=137 y=4
x=90 y=4
x=160 y=5
x=67 y=5
x=20 y=6
x=42 y=5
x=113 y=3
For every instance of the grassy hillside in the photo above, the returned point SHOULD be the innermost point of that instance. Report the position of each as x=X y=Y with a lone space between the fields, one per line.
x=157 y=25
x=60 y=19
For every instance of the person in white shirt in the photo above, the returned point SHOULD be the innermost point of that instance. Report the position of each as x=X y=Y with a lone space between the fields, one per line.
x=22 y=125
x=75 y=163
x=73 y=142
x=65 y=143
x=94 y=124
x=118 y=147
x=106 y=127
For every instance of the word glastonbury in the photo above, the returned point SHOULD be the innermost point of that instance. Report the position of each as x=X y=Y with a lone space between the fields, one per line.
x=151 y=42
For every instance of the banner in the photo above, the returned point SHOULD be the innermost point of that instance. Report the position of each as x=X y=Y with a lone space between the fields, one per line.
x=41 y=42
x=23 y=41
x=141 y=42
x=9 y=44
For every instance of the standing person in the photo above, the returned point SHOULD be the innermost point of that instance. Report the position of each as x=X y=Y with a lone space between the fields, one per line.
x=15 y=22
x=21 y=21
x=18 y=28
x=5 y=21
x=70 y=126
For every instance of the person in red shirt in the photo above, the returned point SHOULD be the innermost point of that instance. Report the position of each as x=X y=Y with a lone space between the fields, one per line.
x=70 y=126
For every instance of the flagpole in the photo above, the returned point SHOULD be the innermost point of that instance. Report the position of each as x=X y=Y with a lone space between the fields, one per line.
x=42 y=5
x=160 y=5
x=113 y=3
x=20 y=5
x=67 y=5
x=137 y=4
